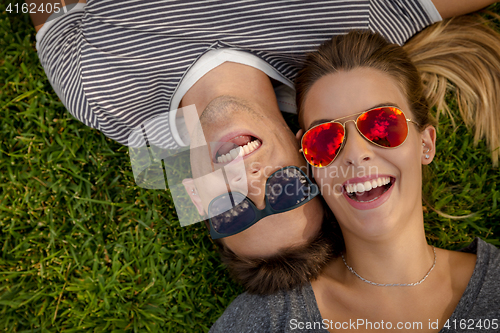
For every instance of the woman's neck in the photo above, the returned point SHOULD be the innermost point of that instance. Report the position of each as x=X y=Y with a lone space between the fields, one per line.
x=401 y=257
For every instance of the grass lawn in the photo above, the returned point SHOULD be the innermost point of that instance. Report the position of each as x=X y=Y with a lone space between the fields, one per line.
x=85 y=249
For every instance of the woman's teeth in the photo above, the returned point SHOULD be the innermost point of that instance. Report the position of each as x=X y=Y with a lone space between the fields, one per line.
x=239 y=151
x=368 y=185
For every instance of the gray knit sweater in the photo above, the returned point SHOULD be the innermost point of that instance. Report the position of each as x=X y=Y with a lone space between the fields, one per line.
x=297 y=310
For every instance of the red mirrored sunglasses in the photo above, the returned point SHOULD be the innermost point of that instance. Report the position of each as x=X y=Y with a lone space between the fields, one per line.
x=385 y=127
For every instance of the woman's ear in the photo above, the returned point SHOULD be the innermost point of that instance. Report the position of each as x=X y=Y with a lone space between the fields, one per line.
x=193 y=194
x=428 y=144
x=299 y=134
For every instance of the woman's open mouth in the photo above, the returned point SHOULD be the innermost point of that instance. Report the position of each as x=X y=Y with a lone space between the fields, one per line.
x=370 y=190
x=241 y=145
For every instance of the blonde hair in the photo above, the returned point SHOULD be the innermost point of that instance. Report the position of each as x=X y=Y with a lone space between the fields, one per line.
x=462 y=55
x=364 y=49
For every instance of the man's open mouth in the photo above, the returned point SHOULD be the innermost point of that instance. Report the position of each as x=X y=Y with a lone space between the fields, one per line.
x=369 y=190
x=239 y=146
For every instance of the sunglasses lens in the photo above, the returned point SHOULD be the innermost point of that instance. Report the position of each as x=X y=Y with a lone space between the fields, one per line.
x=228 y=218
x=386 y=126
x=321 y=144
x=287 y=188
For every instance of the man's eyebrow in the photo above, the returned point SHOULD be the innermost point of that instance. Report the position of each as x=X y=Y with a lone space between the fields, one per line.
x=321 y=121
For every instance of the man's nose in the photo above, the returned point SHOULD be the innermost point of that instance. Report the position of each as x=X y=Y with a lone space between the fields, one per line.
x=249 y=180
x=257 y=183
x=257 y=180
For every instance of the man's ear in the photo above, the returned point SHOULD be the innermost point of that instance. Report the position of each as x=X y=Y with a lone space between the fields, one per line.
x=299 y=134
x=193 y=194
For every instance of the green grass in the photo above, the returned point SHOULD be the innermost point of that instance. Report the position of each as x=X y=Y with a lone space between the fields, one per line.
x=83 y=249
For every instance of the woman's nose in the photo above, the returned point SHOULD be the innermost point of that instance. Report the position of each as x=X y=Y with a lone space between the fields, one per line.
x=357 y=150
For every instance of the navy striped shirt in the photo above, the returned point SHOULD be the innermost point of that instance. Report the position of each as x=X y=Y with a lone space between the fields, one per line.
x=117 y=64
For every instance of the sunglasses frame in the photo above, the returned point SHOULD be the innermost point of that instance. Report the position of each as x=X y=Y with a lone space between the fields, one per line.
x=268 y=210
x=359 y=114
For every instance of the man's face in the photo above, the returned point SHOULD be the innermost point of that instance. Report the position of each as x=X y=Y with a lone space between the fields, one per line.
x=267 y=145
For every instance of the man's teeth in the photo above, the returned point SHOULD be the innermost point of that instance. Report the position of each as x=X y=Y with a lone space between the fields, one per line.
x=239 y=151
x=368 y=185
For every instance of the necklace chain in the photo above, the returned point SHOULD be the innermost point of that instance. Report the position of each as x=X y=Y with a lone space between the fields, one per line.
x=391 y=284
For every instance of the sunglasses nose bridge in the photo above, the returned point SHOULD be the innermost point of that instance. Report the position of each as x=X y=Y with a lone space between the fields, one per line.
x=356 y=148
x=257 y=189
x=345 y=128
x=258 y=198
x=345 y=122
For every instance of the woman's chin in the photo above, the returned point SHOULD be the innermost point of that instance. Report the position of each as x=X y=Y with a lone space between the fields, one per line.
x=367 y=223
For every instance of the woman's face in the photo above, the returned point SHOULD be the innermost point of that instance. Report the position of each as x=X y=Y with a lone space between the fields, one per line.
x=389 y=208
